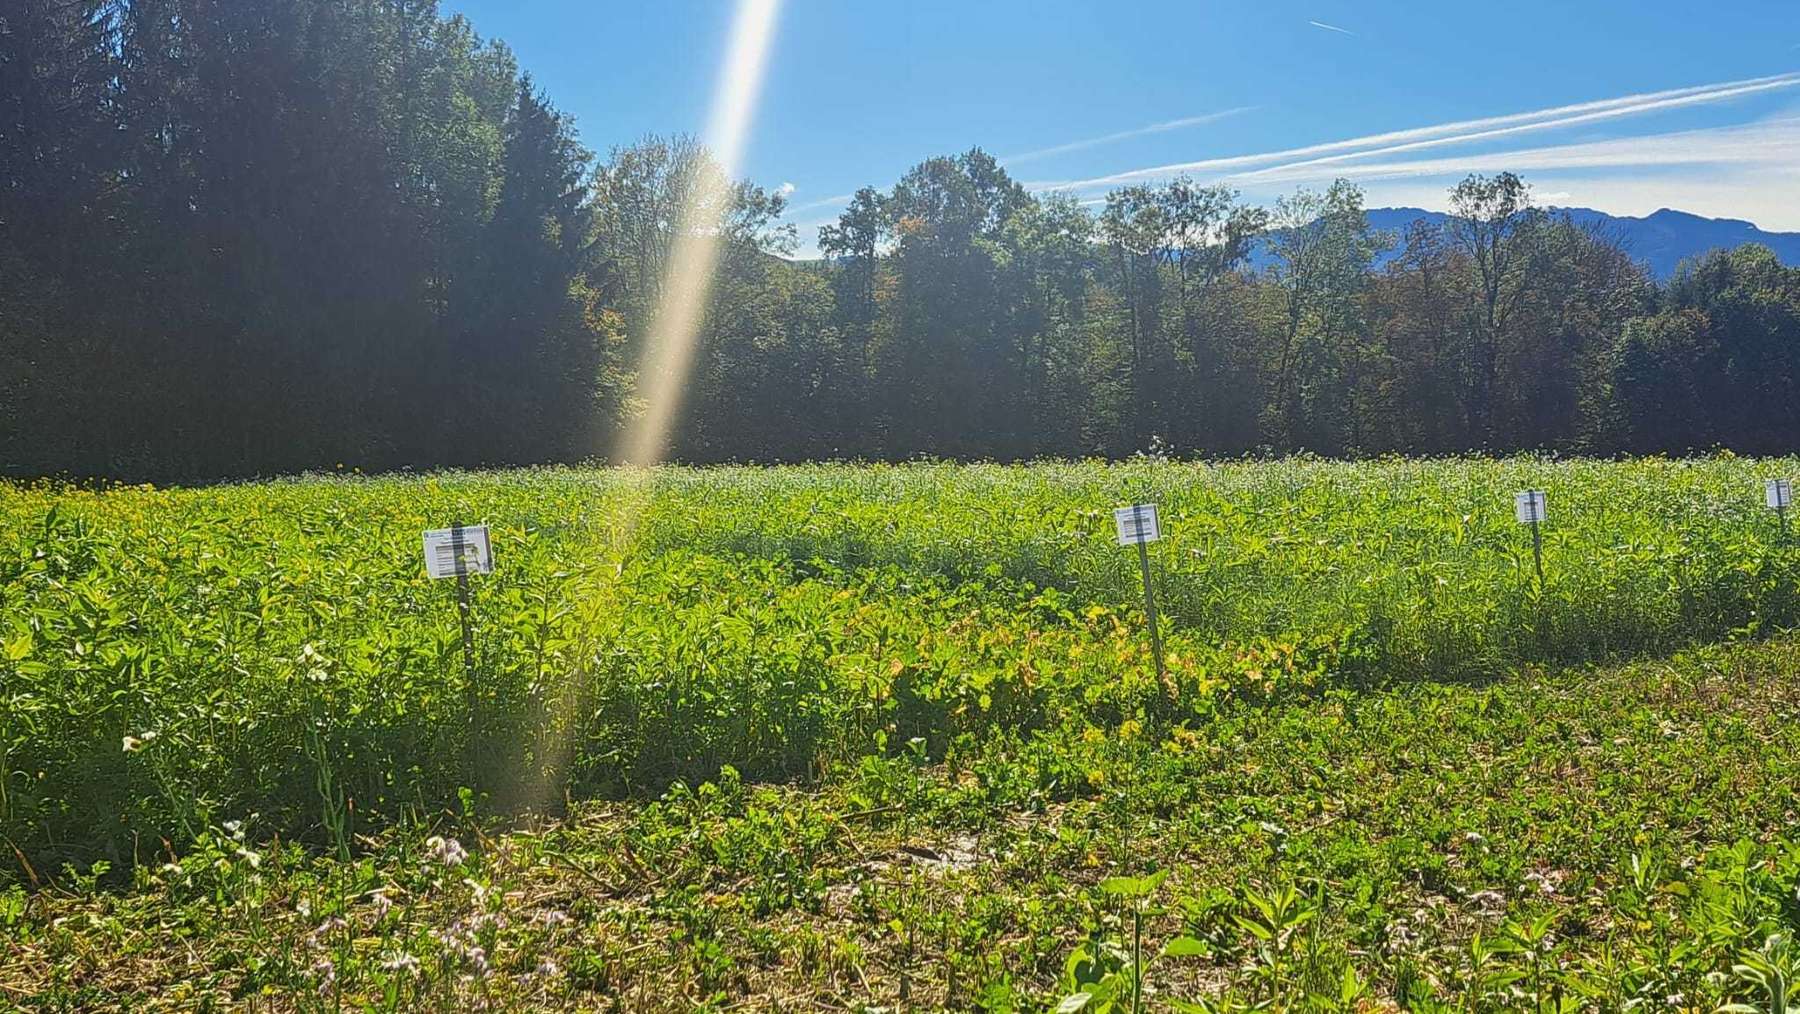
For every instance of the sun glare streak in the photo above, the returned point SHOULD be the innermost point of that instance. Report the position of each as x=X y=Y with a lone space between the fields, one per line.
x=669 y=351
x=668 y=355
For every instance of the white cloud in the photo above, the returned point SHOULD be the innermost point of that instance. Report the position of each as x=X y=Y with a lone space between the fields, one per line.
x=1332 y=28
x=1154 y=128
x=1456 y=132
x=785 y=189
x=834 y=201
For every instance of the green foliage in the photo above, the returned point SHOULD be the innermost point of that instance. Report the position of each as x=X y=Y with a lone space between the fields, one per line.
x=830 y=735
x=177 y=656
x=247 y=239
x=1773 y=969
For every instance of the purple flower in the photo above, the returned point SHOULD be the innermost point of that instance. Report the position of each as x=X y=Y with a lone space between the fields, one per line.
x=447 y=851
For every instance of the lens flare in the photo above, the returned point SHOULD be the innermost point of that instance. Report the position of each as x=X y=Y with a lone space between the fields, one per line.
x=688 y=278
x=667 y=359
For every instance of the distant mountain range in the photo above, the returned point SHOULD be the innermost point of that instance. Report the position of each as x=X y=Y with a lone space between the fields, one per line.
x=1659 y=241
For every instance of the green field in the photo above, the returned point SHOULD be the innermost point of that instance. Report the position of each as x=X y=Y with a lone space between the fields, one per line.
x=835 y=737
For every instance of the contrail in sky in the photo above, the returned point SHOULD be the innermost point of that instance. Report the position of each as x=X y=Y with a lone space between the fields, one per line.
x=1154 y=128
x=1454 y=132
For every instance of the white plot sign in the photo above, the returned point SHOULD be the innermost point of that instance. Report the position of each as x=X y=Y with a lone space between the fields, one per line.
x=1528 y=506
x=1137 y=525
x=453 y=552
x=1779 y=493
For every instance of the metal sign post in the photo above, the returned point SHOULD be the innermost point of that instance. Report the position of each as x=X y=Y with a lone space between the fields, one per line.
x=1528 y=507
x=1138 y=525
x=1779 y=494
x=457 y=552
x=462 y=603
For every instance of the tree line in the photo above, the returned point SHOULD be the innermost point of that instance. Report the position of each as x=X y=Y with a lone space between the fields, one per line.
x=242 y=239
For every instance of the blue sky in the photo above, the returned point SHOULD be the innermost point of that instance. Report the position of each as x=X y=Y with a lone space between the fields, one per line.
x=1622 y=106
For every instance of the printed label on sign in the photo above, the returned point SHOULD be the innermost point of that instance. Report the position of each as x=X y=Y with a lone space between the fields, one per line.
x=453 y=551
x=1528 y=506
x=1779 y=493
x=1137 y=524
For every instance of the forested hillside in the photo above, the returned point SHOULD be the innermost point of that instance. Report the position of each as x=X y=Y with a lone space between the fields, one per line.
x=1661 y=242
x=242 y=239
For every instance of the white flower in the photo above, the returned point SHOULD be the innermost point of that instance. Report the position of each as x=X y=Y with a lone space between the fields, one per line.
x=401 y=963
x=135 y=743
x=447 y=851
x=316 y=937
x=1545 y=883
x=478 y=962
x=1402 y=936
x=1490 y=901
